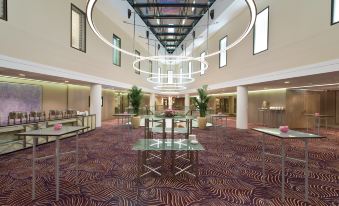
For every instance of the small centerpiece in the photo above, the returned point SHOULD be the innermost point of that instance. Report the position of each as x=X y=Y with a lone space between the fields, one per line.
x=169 y=113
x=317 y=114
x=58 y=126
x=283 y=129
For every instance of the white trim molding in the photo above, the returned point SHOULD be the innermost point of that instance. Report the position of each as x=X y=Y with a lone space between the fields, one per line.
x=28 y=66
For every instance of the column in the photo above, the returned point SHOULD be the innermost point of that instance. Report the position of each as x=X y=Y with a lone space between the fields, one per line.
x=242 y=108
x=187 y=102
x=170 y=102
x=152 y=102
x=95 y=102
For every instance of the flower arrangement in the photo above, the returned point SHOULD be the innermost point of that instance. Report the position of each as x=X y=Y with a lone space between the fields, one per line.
x=169 y=113
x=317 y=114
x=283 y=129
x=58 y=126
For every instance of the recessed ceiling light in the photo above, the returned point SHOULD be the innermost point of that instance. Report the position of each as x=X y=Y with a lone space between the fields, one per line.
x=265 y=88
x=23 y=75
x=66 y=81
x=287 y=82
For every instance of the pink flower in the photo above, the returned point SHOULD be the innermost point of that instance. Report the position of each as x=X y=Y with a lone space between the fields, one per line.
x=316 y=114
x=283 y=129
x=58 y=126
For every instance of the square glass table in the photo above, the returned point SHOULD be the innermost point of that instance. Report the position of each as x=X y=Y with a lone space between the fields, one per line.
x=50 y=132
x=291 y=134
x=145 y=146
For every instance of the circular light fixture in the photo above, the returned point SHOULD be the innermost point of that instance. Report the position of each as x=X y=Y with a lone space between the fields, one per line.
x=89 y=11
x=181 y=79
x=172 y=87
x=202 y=61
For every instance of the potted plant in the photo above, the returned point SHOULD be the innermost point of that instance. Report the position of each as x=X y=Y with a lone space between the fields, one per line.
x=135 y=96
x=201 y=103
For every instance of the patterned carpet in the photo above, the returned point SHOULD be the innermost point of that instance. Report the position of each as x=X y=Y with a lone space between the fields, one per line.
x=230 y=173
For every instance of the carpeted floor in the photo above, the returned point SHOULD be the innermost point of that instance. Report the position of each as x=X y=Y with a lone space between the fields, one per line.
x=230 y=173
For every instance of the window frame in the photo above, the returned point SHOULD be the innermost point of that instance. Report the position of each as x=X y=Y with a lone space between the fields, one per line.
x=150 y=65
x=5 y=17
x=201 y=64
x=220 y=52
x=119 y=52
x=85 y=28
x=268 y=31
x=139 y=65
x=332 y=13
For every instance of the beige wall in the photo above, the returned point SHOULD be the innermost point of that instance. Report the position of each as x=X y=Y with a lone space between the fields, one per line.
x=39 y=31
x=299 y=34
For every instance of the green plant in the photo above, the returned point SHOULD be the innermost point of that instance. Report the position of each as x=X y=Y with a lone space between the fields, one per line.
x=135 y=96
x=201 y=102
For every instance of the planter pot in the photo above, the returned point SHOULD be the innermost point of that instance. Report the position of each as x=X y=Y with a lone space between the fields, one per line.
x=202 y=121
x=135 y=122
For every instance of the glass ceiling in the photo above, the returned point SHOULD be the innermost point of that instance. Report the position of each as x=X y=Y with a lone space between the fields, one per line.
x=171 y=20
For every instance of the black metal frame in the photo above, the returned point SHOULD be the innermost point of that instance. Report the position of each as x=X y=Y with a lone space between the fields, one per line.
x=85 y=28
x=5 y=17
x=332 y=13
x=185 y=29
x=268 y=31
x=220 y=50
x=116 y=37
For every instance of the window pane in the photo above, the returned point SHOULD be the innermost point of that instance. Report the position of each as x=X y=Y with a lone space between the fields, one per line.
x=335 y=11
x=261 y=32
x=223 y=53
x=150 y=65
x=180 y=78
x=170 y=77
x=78 y=35
x=202 y=66
x=138 y=65
x=190 y=69
x=159 y=74
x=116 y=53
x=2 y=9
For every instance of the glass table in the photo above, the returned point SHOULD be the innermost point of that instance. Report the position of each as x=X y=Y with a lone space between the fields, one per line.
x=317 y=119
x=152 y=118
x=291 y=134
x=124 y=119
x=50 y=132
x=215 y=123
x=143 y=146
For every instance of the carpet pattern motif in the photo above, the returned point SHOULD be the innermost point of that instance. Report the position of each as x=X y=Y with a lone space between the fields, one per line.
x=230 y=173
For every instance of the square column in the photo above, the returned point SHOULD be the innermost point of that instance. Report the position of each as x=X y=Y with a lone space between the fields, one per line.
x=95 y=102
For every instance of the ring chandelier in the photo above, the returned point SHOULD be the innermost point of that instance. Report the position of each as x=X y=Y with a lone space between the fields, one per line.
x=177 y=59
x=180 y=79
x=89 y=11
x=157 y=58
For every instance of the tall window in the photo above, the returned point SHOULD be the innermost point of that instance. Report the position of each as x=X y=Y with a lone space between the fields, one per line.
x=170 y=77
x=202 y=66
x=138 y=65
x=78 y=23
x=260 y=38
x=159 y=75
x=116 y=53
x=180 y=78
x=335 y=12
x=3 y=10
x=189 y=69
x=223 y=53
x=150 y=65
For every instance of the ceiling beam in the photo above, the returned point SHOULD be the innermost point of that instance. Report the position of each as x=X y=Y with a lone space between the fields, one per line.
x=172 y=26
x=196 y=5
x=192 y=17
x=170 y=34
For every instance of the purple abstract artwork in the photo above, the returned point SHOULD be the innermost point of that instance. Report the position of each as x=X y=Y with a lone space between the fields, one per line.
x=19 y=97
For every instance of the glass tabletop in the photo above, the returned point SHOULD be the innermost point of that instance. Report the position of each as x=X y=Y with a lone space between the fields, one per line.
x=168 y=130
x=167 y=144
x=291 y=134
x=156 y=117
x=51 y=132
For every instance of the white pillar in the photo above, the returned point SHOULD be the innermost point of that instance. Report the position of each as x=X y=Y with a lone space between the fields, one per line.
x=95 y=103
x=170 y=103
x=152 y=102
x=242 y=107
x=187 y=102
